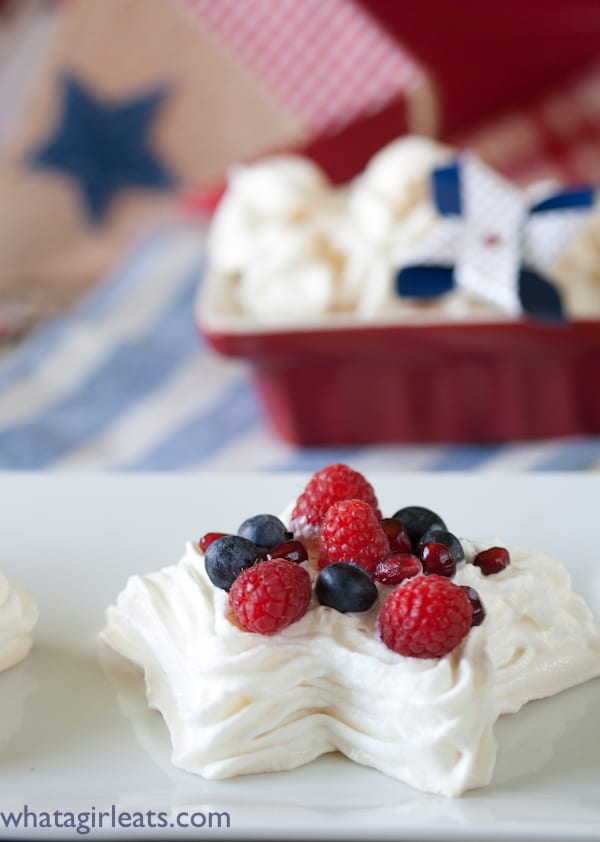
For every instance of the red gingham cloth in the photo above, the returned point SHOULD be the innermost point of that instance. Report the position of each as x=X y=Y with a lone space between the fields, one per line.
x=327 y=61
x=333 y=65
x=557 y=136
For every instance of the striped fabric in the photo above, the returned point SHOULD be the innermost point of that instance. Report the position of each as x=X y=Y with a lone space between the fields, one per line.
x=125 y=382
x=328 y=61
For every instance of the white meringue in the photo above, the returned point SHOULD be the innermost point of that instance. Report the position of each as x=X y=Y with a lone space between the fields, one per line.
x=237 y=702
x=18 y=616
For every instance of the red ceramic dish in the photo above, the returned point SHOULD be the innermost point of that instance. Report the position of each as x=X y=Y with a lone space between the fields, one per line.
x=443 y=382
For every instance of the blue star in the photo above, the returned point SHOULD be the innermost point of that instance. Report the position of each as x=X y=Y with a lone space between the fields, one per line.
x=104 y=145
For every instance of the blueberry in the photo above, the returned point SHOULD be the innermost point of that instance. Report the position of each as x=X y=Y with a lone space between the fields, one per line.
x=441 y=536
x=264 y=530
x=226 y=557
x=345 y=587
x=418 y=519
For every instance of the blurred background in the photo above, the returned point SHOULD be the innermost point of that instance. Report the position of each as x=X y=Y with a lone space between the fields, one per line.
x=118 y=122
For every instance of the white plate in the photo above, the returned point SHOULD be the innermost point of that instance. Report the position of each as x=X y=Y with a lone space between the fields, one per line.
x=72 y=741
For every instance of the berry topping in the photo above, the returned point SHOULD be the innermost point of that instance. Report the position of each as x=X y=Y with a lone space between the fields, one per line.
x=264 y=530
x=226 y=557
x=397 y=567
x=438 y=559
x=426 y=617
x=352 y=532
x=291 y=550
x=397 y=535
x=329 y=486
x=441 y=536
x=270 y=596
x=206 y=540
x=476 y=605
x=418 y=520
x=345 y=587
x=492 y=561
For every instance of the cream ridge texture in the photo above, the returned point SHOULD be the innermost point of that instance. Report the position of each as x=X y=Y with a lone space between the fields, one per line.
x=236 y=702
x=18 y=616
x=287 y=247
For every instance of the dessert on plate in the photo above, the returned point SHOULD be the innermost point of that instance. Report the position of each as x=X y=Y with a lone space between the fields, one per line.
x=18 y=616
x=385 y=638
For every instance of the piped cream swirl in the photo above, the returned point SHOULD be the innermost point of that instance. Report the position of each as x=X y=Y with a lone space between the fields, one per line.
x=541 y=636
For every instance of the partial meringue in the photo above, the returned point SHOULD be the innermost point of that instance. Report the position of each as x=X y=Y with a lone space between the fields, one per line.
x=18 y=616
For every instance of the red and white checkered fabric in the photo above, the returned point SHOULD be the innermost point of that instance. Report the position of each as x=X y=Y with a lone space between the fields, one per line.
x=557 y=137
x=327 y=61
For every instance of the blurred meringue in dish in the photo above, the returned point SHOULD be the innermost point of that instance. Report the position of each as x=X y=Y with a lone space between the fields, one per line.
x=287 y=247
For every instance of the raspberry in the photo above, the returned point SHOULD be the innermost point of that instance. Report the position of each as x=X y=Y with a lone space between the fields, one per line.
x=426 y=617
x=329 y=486
x=352 y=532
x=270 y=596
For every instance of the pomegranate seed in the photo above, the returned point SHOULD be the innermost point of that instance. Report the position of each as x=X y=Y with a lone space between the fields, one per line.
x=206 y=540
x=437 y=535
x=291 y=550
x=476 y=603
x=397 y=535
x=438 y=559
x=493 y=560
x=397 y=567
